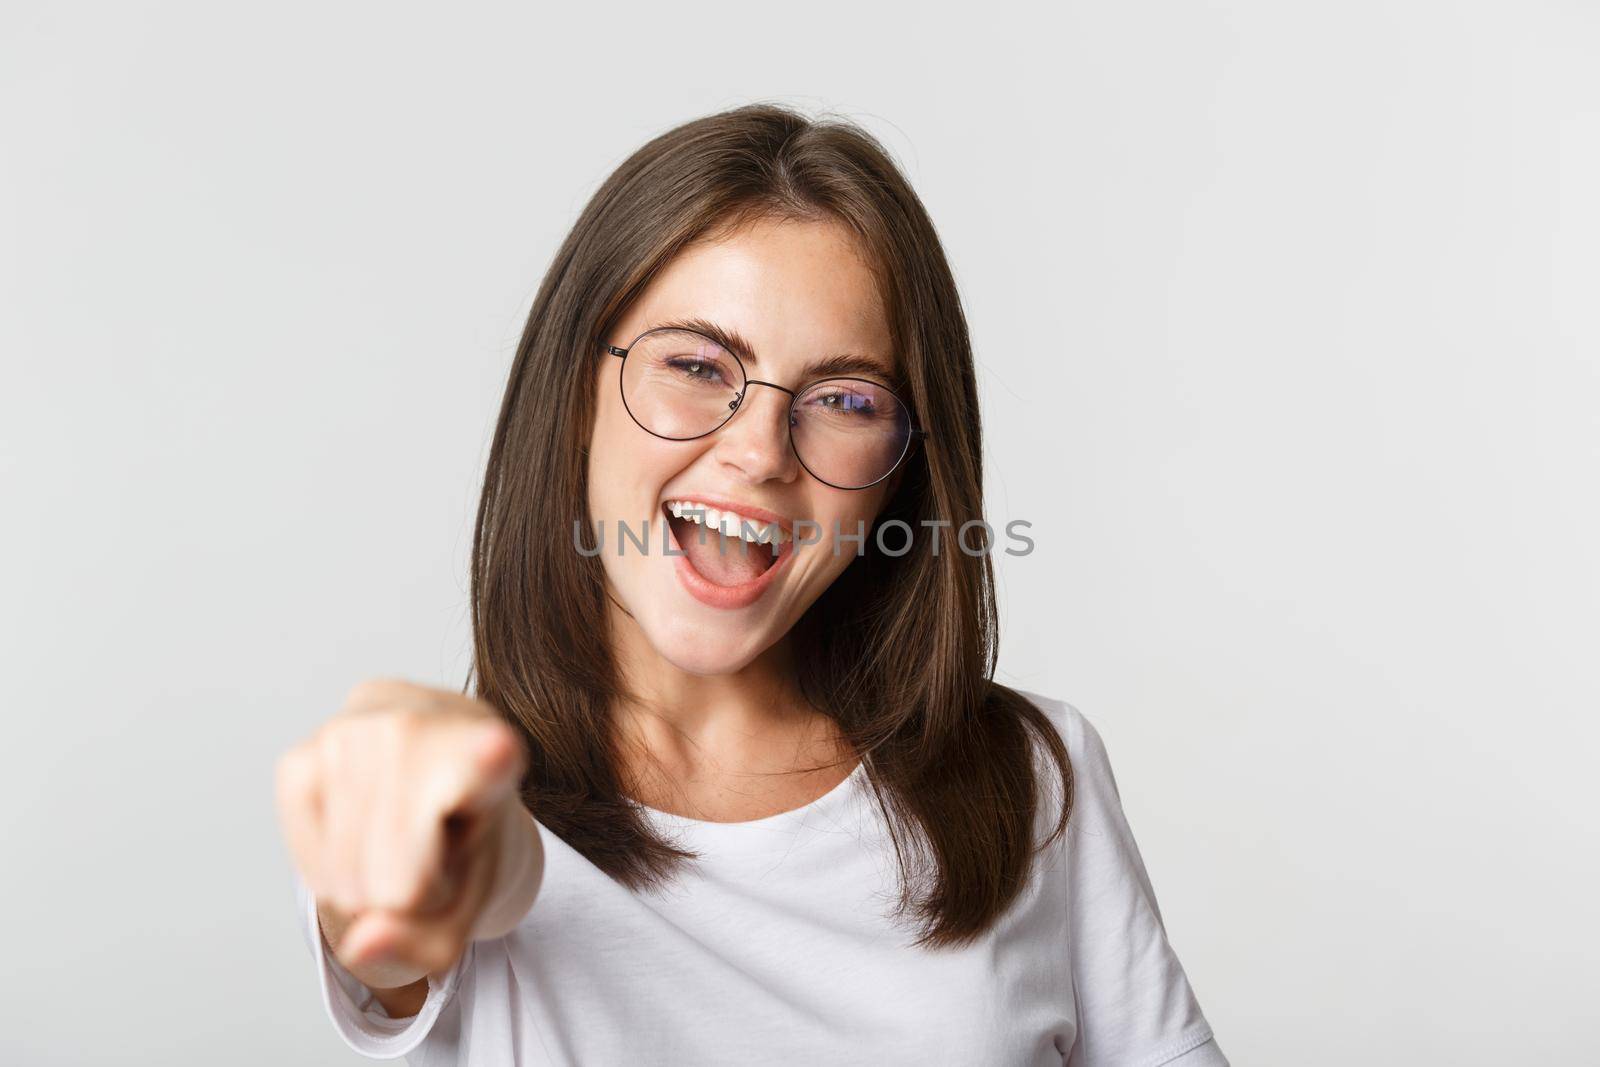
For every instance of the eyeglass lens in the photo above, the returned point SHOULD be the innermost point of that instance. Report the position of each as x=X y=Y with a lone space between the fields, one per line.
x=848 y=432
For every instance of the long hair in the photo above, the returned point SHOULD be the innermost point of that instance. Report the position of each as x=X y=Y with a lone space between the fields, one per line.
x=899 y=651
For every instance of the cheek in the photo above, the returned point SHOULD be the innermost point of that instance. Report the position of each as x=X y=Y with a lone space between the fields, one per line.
x=612 y=465
x=854 y=513
x=628 y=468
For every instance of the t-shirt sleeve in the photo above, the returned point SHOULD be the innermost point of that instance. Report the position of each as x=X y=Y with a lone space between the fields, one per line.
x=351 y=1005
x=1134 y=1004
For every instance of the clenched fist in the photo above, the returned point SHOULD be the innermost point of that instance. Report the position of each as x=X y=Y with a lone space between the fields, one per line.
x=403 y=815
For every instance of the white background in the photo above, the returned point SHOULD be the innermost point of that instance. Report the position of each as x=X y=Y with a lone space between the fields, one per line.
x=1286 y=321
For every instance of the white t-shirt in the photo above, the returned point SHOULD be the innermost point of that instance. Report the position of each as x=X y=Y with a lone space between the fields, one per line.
x=777 y=945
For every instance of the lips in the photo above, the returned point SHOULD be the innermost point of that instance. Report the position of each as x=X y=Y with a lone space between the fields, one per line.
x=723 y=594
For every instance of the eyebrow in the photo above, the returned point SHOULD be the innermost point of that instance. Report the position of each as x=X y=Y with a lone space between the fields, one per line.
x=842 y=365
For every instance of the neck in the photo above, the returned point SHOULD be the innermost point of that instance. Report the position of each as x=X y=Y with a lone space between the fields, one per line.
x=753 y=719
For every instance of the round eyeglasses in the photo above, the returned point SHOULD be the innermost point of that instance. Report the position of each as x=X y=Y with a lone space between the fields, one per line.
x=849 y=433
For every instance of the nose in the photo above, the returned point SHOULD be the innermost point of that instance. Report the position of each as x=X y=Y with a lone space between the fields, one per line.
x=756 y=438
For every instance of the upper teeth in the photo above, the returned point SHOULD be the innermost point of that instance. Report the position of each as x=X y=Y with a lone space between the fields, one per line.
x=728 y=523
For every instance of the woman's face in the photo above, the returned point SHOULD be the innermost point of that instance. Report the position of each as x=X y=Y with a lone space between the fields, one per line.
x=798 y=293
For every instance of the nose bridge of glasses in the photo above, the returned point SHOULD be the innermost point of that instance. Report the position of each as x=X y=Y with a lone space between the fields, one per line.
x=770 y=385
x=738 y=400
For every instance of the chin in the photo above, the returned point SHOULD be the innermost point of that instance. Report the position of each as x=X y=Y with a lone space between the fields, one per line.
x=701 y=642
x=700 y=655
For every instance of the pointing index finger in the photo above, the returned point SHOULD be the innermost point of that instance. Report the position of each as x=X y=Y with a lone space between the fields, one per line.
x=491 y=765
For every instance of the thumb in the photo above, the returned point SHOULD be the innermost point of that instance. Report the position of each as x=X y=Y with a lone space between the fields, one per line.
x=371 y=937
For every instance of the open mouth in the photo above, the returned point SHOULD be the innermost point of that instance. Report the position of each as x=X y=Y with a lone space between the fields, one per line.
x=724 y=548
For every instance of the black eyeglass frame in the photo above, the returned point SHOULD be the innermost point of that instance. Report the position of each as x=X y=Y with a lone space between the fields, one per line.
x=916 y=433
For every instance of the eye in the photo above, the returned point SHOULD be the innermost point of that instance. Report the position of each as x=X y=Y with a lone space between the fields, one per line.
x=695 y=370
x=846 y=402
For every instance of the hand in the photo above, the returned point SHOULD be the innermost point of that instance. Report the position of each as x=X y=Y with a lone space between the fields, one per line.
x=395 y=812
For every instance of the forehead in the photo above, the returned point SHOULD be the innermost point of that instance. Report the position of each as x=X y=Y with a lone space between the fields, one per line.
x=793 y=289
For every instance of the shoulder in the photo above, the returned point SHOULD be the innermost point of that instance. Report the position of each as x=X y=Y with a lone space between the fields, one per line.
x=1094 y=796
x=1083 y=742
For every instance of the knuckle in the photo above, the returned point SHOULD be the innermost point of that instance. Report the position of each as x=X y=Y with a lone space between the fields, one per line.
x=348 y=737
x=370 y=691
x=293 y=774
x=389 y=692
x=332 y=742
x=329 y=729
x=396 y=729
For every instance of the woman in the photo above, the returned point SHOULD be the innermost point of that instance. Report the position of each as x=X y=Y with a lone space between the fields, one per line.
x=736 y=783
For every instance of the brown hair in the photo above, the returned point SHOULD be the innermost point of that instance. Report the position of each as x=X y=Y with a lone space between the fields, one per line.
x=898 y=651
